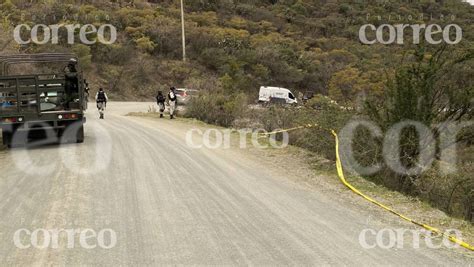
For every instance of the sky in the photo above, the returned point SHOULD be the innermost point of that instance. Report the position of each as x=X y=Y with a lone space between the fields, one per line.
x=471 y=1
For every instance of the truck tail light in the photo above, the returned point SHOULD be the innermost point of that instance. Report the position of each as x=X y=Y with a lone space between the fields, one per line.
x=12 y=119
x=71 y=116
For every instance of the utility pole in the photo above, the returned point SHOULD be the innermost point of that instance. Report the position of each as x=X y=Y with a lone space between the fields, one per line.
x=182 y=31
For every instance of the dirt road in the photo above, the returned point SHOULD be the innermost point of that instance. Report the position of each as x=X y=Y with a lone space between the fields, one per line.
x=167 y=203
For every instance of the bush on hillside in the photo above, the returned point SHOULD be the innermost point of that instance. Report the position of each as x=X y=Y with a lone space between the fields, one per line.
x=217 y=108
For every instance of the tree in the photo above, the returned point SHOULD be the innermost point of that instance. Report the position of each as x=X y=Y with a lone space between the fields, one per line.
x=345 y=85
x=423 y=91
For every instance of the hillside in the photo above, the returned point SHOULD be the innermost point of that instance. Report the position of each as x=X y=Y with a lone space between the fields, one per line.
x=240 y=45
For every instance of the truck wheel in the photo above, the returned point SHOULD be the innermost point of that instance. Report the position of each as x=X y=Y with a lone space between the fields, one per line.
x=80 y=135
x=73 y=133
x=61 y=134
x=7 y=138
x=18 y=138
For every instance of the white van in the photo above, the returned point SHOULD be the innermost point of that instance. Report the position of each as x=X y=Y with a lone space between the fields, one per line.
x=282 y=95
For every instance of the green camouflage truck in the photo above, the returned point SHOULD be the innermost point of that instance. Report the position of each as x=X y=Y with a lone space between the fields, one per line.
x=48 y=105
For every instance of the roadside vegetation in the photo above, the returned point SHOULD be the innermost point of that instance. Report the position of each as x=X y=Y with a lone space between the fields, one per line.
x=301 y=45
x=429 y=87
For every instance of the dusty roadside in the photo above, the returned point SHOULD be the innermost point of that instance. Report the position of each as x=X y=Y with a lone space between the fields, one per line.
x=304 y=167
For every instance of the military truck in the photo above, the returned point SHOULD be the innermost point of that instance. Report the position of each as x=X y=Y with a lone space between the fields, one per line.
x=36 y=104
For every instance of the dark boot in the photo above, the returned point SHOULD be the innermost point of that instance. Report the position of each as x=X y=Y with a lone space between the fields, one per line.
x=171 y=117
x=161 y=116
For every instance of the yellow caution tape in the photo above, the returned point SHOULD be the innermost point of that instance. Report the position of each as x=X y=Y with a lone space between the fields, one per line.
x=340 y=173
x=290 y=129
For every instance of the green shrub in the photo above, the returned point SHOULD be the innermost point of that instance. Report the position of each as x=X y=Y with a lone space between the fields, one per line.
x=217 y=108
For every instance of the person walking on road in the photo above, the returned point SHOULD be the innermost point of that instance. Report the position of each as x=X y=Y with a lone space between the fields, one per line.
x=101 y=99
x=172 y=101
x=160 y=100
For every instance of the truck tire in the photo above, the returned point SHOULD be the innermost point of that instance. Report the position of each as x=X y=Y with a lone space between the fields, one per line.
x=18 y=138
x=73 y=133
x=60 y=135
x=7 y=138
x=80 y=135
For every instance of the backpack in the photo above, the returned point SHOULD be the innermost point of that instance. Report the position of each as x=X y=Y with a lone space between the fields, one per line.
x=101 y=97
x=160 y=99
